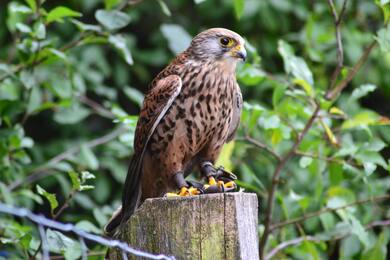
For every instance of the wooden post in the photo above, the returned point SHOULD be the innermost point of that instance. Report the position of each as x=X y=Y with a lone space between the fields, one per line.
x=213 y=226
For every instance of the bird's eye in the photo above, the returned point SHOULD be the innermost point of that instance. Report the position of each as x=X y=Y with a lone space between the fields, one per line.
x=226 y=42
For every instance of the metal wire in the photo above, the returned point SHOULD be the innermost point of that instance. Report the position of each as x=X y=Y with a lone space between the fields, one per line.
x=42 y=222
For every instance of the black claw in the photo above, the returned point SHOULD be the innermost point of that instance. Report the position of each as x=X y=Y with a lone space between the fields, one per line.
x=195 y=184
x=221 y=172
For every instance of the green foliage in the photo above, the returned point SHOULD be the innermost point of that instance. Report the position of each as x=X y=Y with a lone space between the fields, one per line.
x=72 y=78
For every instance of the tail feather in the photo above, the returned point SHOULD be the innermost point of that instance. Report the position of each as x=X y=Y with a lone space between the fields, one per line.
x=130 y=197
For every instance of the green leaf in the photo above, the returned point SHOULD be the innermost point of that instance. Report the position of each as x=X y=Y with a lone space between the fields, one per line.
x=293 y=64
x=23 y=28
x=239 y=8
x=269 y=121
x=250 y=75
x=71 y=115
x=35 y=100
x=88 y=157
x=86 y=175
x=5 y=194
x=383 y=38
x=335 y=173
x=79 y=179
x=358 y=230
x=178 y=38
x=57 y=14
x=372 y=157
x=40 y=31
x=361 y=119
x=88 y=227
x=362 y=91
x=306 y=86
x=350 y=246
x=61 y=244
x=278 y=94
x=109 y=4
x=86 y=27
x=49 y=196
x=19 y=8
x=134 y=95
x=385 y=6
x=305 y=161
x=32 y=4
x=119 y=42
x=74 y=177
x=164 y=8
x=113 y=19
x=379 y=251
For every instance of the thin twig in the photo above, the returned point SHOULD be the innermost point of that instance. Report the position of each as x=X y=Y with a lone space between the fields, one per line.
x=298 y=240
x=54 y=217
x=41 y=171
x=65 y=205
x=275 y=180
x=288 y=243
x=99 y=109
x=259 y=144
x=324 y=210
x=334 y=92
x=324 y=158
x=340 y=53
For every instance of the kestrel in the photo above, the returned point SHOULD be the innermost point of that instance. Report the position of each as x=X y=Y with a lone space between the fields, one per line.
x=190 y=111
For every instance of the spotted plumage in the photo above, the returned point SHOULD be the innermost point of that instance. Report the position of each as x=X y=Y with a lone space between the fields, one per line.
x=191 y=109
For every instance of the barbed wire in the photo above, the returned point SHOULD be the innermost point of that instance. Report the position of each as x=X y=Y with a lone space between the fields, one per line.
x=43 y=222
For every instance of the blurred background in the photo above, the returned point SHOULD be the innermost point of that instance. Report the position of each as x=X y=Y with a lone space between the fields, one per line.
x=72 y=78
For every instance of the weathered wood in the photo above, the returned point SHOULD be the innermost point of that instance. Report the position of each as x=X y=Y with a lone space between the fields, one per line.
x=214 y=226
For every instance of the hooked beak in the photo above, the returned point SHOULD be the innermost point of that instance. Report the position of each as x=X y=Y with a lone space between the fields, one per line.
x=239 y=52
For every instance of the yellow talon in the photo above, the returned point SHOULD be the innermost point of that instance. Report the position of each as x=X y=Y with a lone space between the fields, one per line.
x=229 y=184
x=171 y=194
x=221 y=184
x=193 y=191
x=183 y=191
x=212 y=181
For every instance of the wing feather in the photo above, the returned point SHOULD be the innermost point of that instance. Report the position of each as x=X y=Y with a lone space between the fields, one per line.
x=155 y=105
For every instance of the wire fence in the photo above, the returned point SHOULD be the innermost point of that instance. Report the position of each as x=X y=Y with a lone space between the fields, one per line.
x=43 y=222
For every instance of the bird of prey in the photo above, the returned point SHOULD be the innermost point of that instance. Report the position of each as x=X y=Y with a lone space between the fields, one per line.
x=192 y=108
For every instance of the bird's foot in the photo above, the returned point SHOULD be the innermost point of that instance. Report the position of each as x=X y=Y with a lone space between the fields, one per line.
x=218 y=185
x=184 y=192
x=219 y=179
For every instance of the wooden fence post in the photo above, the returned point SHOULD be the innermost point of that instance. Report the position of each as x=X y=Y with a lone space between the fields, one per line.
x=213 y=226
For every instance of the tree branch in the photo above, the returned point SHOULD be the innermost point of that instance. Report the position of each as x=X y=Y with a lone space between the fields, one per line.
x=296 y=241
x=324 y=158
x=340 y=53
x=41 y=172
x=324 y=210
x=259 y=145
x=275 y=180
x=288 y=243
x=99 y=109
x=334 y=92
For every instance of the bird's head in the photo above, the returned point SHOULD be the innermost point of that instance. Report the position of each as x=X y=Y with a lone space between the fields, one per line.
x=218 y=44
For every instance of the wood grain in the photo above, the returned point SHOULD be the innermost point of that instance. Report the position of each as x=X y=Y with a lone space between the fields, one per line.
x=213 y=226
